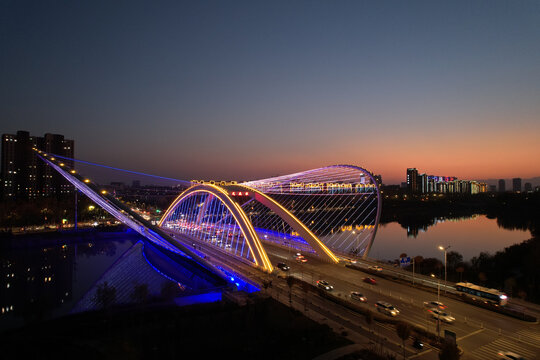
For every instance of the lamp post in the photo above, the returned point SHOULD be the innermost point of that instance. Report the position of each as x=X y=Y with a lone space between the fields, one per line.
x=438 y=310
x=444 y=249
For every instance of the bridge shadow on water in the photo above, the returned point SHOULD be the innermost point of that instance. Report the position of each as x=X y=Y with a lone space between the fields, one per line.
x=132 y=312
x=144 y=274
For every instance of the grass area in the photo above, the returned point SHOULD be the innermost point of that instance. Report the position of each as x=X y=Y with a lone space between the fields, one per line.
x=262 y=329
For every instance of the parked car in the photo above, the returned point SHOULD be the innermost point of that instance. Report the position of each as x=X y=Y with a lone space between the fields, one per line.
x=387 y=308
x=323 y=284
x=441 y=315
x=358 y=296
x=369 y=280
x=283 y=266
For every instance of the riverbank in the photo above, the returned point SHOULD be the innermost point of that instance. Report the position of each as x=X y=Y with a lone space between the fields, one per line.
x=58 y=237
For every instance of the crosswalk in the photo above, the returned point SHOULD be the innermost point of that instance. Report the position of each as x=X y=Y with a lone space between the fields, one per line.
x=490 y=351
x=528 y=336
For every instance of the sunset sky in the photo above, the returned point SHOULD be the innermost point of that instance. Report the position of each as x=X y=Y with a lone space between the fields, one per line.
x=250 y=89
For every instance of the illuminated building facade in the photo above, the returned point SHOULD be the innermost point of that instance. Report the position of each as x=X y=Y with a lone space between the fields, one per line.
x=23 y=175
x=34 y=279
x=412 y=180
x=425 y=184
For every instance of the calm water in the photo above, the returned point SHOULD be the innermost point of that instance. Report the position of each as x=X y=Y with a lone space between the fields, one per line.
x=468 y=237
x=43 y=277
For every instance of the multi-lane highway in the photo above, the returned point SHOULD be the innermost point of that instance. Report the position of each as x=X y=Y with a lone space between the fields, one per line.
x=479 y=332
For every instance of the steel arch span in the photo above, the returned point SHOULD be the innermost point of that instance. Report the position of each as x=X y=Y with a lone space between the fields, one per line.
x=207 y=212
x=340 y=204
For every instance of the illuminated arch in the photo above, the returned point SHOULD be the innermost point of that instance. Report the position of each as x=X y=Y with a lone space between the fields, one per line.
x=317 y=245
x=260 y=258
x=346 y=204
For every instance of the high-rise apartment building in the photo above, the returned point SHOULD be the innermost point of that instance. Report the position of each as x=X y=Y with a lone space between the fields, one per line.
x=24 y=175
x=516 y=184
x=425 y=184
x=502 y=185
x=412 y=180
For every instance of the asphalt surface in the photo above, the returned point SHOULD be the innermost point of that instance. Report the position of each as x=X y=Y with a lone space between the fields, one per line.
x=481 y=333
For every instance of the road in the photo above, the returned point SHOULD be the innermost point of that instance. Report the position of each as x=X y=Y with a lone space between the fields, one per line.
x=480 y=333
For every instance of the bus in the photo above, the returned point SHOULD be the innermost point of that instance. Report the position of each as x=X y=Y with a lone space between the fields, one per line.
x=491 y=295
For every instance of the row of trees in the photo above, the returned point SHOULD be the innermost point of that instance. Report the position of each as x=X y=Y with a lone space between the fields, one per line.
x=514 y=270
x=47 y=211
x=106 y=295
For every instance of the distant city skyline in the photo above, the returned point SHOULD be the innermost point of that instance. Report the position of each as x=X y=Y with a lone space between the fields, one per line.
x=248 y=90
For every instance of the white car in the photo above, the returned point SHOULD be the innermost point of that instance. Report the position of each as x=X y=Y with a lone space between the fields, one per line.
x=441 y=315
x=324 y=285
x=386 y=308
x=358 y=296
x=375 y=267
x=507 y=355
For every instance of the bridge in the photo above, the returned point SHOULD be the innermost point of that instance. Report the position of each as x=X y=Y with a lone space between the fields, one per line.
x=227 y=231
x=330 y=213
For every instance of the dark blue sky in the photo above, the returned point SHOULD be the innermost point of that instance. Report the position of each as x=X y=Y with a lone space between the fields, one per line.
x=247 y=89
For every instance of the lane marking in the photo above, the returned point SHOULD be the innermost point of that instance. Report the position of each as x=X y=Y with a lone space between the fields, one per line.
x=471 y=334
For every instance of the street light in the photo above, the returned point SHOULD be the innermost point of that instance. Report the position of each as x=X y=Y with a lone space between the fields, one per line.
x=438 y=302
x=444 y=249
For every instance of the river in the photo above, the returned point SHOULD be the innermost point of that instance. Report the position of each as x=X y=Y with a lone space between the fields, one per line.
x=467 y=236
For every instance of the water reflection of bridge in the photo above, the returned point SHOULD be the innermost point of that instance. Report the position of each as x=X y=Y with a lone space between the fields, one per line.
x=328 y=212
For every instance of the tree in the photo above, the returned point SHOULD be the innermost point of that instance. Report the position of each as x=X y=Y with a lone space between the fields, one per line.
x=170 y=290
x=290 y=283
x=369 y=318
x=266 y=283
x=453 y=258
x=140 y=293
x=105 y=295
x=403 y=330
x=460 y=270
x=449 y=351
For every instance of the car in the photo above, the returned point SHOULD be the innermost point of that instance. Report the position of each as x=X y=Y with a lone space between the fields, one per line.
x=358 y=296
x=375 y=268
x=386 y=308
x=323 y=284
x=436 y=304
x=509 y=355
x=283 y=266
x=369 y=280
x=301 y=259
x=441 y=315
x=418 y=344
